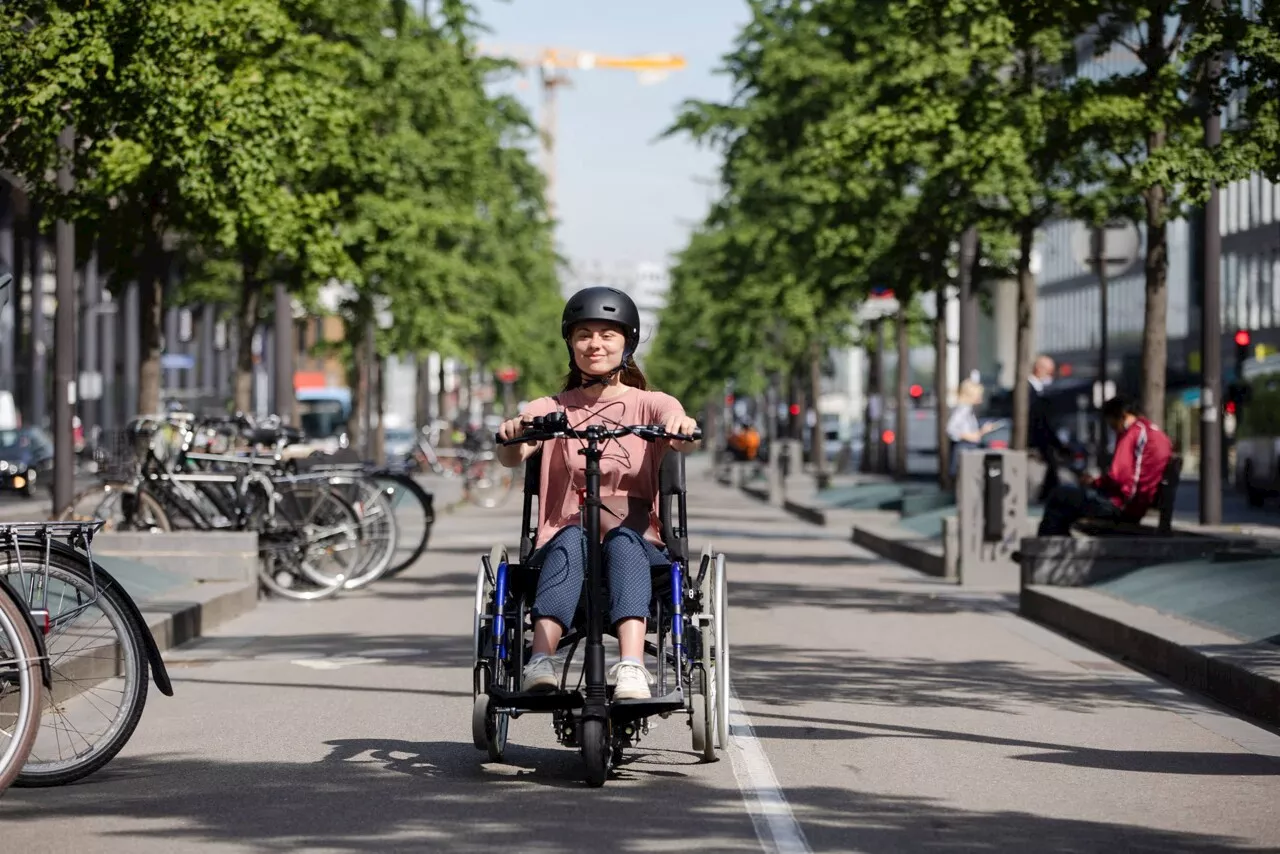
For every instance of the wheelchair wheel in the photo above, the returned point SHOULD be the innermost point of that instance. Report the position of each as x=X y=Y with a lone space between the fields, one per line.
x=720 y=611
x=702 y=705
x=596 y=751
x=505 y=673
x=484 y=593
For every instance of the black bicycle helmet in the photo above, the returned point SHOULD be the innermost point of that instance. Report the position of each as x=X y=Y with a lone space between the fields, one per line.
x=608 y=304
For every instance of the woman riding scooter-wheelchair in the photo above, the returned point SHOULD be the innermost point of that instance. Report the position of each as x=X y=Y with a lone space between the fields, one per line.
x=601 y=327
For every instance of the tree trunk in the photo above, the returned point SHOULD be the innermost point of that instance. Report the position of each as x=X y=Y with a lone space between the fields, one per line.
x=1026 y=317
x=380 y=400
x=871 y=426
x=1155 y=336
x=423 y=397
x=1156 y=59
x=150 y=325
x=361 y=387
x=819 y=434
x=904 y=376
x=940 y=381
x=968 y=285
x=247 y=322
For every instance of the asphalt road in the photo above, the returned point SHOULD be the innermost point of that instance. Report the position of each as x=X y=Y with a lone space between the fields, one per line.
x=879 y=712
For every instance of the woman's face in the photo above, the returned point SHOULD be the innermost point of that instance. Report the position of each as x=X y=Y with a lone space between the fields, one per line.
x=597 y=346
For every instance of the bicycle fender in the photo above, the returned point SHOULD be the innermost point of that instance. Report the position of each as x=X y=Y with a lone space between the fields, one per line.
x=159 y=673
x=46 y=669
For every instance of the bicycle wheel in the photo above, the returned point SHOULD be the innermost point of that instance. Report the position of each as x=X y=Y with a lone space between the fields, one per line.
x=98 y=657
x=378 y=533
x=311 y=545
x=415 y=516
x=488 y=483
x=121 y=505
x=21 y=688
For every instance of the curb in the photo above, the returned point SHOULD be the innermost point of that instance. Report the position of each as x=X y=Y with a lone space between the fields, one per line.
x=903 y=550
x=1243 y=676
x=185 y=614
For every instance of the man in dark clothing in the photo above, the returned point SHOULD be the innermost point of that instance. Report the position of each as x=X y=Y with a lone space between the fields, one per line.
x=1129 y=488
x=1041 y=437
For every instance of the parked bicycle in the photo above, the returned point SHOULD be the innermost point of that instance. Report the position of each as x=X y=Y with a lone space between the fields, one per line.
x=324 y=524
x=95 y=651
x=485 y=482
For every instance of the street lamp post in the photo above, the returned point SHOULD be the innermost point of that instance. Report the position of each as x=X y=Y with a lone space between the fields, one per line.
x=1211 y=325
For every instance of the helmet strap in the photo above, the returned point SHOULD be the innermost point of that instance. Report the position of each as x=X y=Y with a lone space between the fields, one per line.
x=589 y=381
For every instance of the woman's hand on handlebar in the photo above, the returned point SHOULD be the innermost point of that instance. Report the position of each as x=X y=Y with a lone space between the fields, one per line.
x=512 y=455
x=512 y=428
x=683 y=425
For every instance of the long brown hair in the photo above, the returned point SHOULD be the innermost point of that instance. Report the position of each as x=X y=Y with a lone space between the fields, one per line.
x=631 y=375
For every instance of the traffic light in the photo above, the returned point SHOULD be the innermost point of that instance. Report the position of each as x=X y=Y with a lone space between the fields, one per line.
x=1242 y=350
x=916 y=392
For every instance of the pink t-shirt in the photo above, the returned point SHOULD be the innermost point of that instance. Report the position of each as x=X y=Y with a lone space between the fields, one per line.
x=628 y=467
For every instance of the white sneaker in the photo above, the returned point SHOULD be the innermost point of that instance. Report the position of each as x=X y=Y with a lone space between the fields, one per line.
x=631 y=681
x=541 y=675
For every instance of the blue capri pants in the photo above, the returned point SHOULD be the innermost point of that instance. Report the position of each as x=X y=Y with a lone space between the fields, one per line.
x=628 y=559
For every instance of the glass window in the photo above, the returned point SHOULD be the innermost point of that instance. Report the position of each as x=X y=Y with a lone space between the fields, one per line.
x=1226 y=296
x=1251 y=282
x=1226 y=208
x=1266 y=290
x=1242 y=203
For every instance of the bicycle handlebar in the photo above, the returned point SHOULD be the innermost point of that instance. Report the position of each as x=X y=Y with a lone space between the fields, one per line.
x=556 y=426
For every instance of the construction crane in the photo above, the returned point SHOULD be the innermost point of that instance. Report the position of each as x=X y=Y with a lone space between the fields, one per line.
x=552 y=65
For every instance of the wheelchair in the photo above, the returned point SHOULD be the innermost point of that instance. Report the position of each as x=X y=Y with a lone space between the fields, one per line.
x=687 y=623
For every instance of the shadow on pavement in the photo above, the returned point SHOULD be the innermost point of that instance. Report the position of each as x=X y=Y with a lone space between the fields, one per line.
x=790 y=676
x=767 y=595
x=387 y=794
x=1242 y=764
x=431 y=650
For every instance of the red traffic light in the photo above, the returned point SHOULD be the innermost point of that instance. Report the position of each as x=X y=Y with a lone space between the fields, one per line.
x=916 y=391
x=887 y=437
x=1231 y=407
x=794 y=409
x=1242 y=338
x=728 y=400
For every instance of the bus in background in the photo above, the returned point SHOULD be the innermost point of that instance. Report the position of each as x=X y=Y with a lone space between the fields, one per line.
x=1257 y=430
x=325 y=415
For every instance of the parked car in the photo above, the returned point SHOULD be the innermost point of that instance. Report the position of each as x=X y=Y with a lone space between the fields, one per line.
x=26 y=459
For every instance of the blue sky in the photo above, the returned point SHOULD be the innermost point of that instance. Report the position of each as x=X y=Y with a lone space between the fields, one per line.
x=622 y=195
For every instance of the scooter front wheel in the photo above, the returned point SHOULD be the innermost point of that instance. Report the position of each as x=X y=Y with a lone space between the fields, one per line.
x=595 y=751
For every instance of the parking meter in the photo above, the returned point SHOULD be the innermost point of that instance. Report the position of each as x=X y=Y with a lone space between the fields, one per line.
x=992 y=498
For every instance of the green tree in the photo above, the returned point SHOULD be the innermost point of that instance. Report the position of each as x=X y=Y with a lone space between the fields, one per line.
x=187 y=116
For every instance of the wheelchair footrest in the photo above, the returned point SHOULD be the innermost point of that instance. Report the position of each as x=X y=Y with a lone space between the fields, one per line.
x=626 y=711
x=536 y=701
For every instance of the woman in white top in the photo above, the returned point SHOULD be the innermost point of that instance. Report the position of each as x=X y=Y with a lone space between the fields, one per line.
x=962 y=427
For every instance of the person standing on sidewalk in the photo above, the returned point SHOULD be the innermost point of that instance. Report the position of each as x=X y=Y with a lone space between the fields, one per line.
x=1041 y=437
x=963 y=428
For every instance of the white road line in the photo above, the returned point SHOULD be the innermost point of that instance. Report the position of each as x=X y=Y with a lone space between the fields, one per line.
x=776 y=827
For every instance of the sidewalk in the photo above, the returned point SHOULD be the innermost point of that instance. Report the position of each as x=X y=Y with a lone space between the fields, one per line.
x=920 y=715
